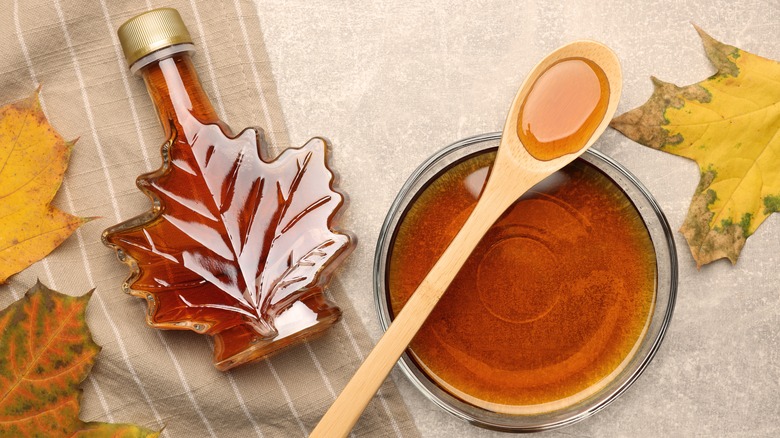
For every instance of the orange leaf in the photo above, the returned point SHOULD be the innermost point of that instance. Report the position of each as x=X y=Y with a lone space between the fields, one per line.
x=33 y=159
x=46 y=351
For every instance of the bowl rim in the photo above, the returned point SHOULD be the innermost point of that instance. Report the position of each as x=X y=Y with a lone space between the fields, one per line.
x=405 y=361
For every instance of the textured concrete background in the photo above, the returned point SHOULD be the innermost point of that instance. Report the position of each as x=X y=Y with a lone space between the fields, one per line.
x=392 y=82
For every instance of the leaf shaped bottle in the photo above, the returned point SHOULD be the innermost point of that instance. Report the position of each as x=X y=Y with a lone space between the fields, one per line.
x=235 y=246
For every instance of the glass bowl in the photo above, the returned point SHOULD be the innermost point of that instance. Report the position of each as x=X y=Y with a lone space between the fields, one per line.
x=610 y=388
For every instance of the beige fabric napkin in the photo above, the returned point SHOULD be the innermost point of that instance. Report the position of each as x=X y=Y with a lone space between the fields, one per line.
x=146 y=376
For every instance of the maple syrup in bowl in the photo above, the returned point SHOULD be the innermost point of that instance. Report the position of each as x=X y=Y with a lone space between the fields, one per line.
x=559 y=308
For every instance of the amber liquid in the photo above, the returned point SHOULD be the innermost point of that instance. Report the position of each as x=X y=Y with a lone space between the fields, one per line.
x=553 y=300
x=565 y=105
x=192 y=276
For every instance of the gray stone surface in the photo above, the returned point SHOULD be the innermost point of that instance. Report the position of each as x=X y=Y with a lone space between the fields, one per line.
x=390 y=83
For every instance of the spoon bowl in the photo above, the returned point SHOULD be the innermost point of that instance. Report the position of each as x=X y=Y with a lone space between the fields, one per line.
x=516 y=169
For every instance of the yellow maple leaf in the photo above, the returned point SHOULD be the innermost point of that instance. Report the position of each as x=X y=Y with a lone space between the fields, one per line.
x=33 y=159
x=730 y=125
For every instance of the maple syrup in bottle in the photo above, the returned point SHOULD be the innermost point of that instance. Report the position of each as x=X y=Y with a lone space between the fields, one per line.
x=234 y=246
x=551 y=304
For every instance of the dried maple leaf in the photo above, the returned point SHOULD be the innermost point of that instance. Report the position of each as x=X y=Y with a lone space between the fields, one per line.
x=33 y=159
x=46 y=351
x=233 y=240
x=730 y=125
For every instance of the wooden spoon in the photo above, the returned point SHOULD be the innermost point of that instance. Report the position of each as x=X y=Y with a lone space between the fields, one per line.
x=515 y=170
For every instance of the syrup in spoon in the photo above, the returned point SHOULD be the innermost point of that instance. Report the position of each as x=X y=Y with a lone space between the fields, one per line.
x=563 y=109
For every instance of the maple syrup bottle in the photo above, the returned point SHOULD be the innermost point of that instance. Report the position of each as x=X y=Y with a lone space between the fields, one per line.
x=234 y=246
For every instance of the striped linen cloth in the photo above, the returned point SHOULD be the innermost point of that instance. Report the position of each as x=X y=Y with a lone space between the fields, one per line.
x=145 y=376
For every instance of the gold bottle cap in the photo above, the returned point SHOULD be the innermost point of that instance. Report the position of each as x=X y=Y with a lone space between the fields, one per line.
x=152 y=31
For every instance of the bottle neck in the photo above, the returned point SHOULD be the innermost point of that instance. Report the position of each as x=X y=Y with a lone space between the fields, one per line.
x=177 y=94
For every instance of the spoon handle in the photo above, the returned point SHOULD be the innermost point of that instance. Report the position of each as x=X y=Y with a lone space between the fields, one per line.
x=346 y=410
